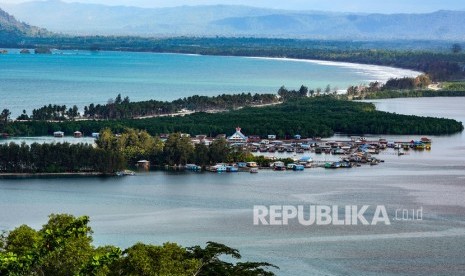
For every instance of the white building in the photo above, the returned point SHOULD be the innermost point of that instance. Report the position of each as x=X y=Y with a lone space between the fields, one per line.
x=238 y=137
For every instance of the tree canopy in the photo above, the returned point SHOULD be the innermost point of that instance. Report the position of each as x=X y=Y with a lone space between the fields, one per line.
x=63 y=247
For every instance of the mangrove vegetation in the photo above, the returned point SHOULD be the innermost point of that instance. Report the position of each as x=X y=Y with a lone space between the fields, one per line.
x=309 y=117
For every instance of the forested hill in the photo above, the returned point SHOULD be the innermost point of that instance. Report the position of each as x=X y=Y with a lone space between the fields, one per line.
x=12 y=29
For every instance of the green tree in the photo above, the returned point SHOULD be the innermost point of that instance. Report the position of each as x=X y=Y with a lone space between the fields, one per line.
x=219 y=150
x=178 y=149
x=152 y=260
x=456 y=48
x=106 y=140
x=201 y=155
x=4 y=118
x=212 y=264
x=303 y=91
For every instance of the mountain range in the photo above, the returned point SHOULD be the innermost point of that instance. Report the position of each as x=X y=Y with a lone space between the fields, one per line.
x=10 y=27
x=230 y=20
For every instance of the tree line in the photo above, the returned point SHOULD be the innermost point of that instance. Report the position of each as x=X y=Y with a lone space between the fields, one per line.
x=390 y=94
x=123 y=108
x=51 y=112
x=58 y=158
x=309 y=117
x=63 y=246
x=392 y=84
x=177 y=149
x=304 y=91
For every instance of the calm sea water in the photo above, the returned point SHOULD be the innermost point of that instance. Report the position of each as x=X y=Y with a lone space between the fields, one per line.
x=80 y=78
x=191 y=208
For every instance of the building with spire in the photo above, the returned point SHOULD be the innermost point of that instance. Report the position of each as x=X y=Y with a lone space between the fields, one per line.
x=238 y=137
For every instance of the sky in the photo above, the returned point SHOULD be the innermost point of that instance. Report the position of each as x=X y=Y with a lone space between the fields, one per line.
x=369 y=6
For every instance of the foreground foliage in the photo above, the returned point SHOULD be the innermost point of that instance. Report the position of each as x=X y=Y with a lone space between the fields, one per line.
x=64 y=247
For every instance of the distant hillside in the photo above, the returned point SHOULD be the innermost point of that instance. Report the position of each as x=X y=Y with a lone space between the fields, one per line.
x=78 y=18
x=438 y=25
x=10 y=27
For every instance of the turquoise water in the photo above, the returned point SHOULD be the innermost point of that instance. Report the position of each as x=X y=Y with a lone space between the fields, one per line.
x=80 y=77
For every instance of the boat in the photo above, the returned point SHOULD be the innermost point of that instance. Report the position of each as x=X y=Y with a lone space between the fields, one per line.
x=125 y=173
x=333 y=165
x=252 y=164
x=298 y=167
x=278 y=166
x=339 y=151
x=232 y=169
x=193 y=167
x=218 y=168
x=254 y=170
x=420 y=146
x=290 y=166
x=306 y=161
x=346 y=165
x=426 y=140
x=58 y=134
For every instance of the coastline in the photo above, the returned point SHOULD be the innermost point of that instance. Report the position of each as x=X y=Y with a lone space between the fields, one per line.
x=371 y=68
x=40 y=175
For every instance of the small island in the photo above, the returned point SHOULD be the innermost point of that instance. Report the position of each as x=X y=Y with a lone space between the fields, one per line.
x=42 y=50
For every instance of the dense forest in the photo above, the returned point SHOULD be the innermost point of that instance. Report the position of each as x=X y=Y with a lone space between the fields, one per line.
x=63 y=246
x=58 y=158
x=318 y=116
x=439 y=65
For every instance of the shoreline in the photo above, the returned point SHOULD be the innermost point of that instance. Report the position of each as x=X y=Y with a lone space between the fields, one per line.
x=39 y=175
x=373 y=69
